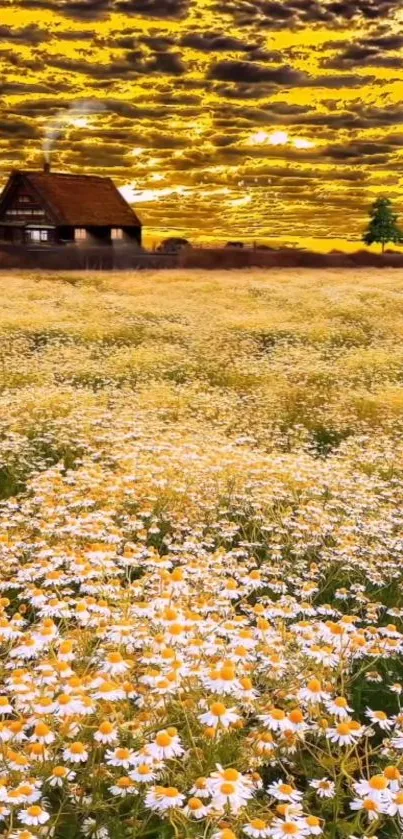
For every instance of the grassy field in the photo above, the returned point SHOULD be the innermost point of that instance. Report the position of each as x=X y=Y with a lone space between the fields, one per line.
x=201 y=482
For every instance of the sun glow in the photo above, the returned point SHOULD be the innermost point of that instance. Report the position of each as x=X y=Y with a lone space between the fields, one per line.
x=280 y=138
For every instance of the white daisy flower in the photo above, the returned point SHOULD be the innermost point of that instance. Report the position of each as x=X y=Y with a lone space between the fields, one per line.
x=282 y=829
x=77 y=752
x=161 y=799
x=313 y=693
x=195 y=809
x=343 y=734
x=119 y=757
x=395 y=806
x=106 y=733
x=256 y=829
x=339 y=707
x=376 y=787
x=219 y=714
x=284 y=792
x=123 y=787
x=324 y=787
x=379 y=718
x=59 y=775
x=34 y=815
x=166 y=745
x=144 y=773
x=369 y=806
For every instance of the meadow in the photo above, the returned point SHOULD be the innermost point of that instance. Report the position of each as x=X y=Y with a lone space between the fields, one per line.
x=201 y=484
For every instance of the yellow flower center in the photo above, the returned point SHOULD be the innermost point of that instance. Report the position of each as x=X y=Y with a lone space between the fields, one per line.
x=231 y=775
x=218 y=709
x=34 y=811
x=171 y=792
x=277 y=714
x=77 y=748
x=227 y=789
x=195 y=804
x=378 y=782
x=163 y=739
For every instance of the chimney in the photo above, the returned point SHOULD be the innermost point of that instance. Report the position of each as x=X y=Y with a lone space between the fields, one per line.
x=46 y=167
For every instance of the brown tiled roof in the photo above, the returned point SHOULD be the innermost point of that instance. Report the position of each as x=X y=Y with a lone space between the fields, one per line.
x=82 y=200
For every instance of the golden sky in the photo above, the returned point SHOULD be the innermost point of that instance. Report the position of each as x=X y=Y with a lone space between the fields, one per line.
x=219 y=119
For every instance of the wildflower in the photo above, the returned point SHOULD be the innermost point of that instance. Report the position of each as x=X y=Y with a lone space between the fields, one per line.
x=395 y=806
x=77 y=752
x=24 y=794
x=115 y=664
x=67 y=705
x=283 y=829
x=371 y=807
x=42 y=733
x=110 y=691
x=339 y=707
x=34 y=815
x=284 y=792
x=219 y=714
x=106 y=733
x=59 y=775
x=344 y=734
x=324 y=787
x=163 y=798
x=313 y=692
x=312 y=826
x=394 y=777
x=275 y=719
x=119 y=757
x=5 y=705
x=166 y=745
x=376 y=787
x=144 y=773
x=195 y=809
x=200 y=788
x=257 y=829
x=124 y=786
x=379 y=718
x=229 y=788
x=90 y=828
x=229 y=794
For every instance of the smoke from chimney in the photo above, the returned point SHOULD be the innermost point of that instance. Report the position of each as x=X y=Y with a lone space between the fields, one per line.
x=65 y=118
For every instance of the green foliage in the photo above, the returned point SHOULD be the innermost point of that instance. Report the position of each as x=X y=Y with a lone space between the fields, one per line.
x=383 y=226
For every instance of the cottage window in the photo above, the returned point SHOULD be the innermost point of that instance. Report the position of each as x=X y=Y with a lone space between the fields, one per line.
x=117 y=233
x=80 y=233
x=38 y=235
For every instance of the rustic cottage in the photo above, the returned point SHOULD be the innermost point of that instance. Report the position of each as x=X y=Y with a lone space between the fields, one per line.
x=44 y=208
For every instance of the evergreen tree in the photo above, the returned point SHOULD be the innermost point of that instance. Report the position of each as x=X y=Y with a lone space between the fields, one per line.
x=383 y=226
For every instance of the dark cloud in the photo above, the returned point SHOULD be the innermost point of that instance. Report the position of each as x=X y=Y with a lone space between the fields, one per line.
x=297 y=13
x=215 y=42
x=154 y=8
x=166 y=62
x=252 y=73
x=357 y=150
x=248 y=72
x=29 y=35
x=12 y=128
x=366 y=52
x=133 y=64
x=97 y=9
